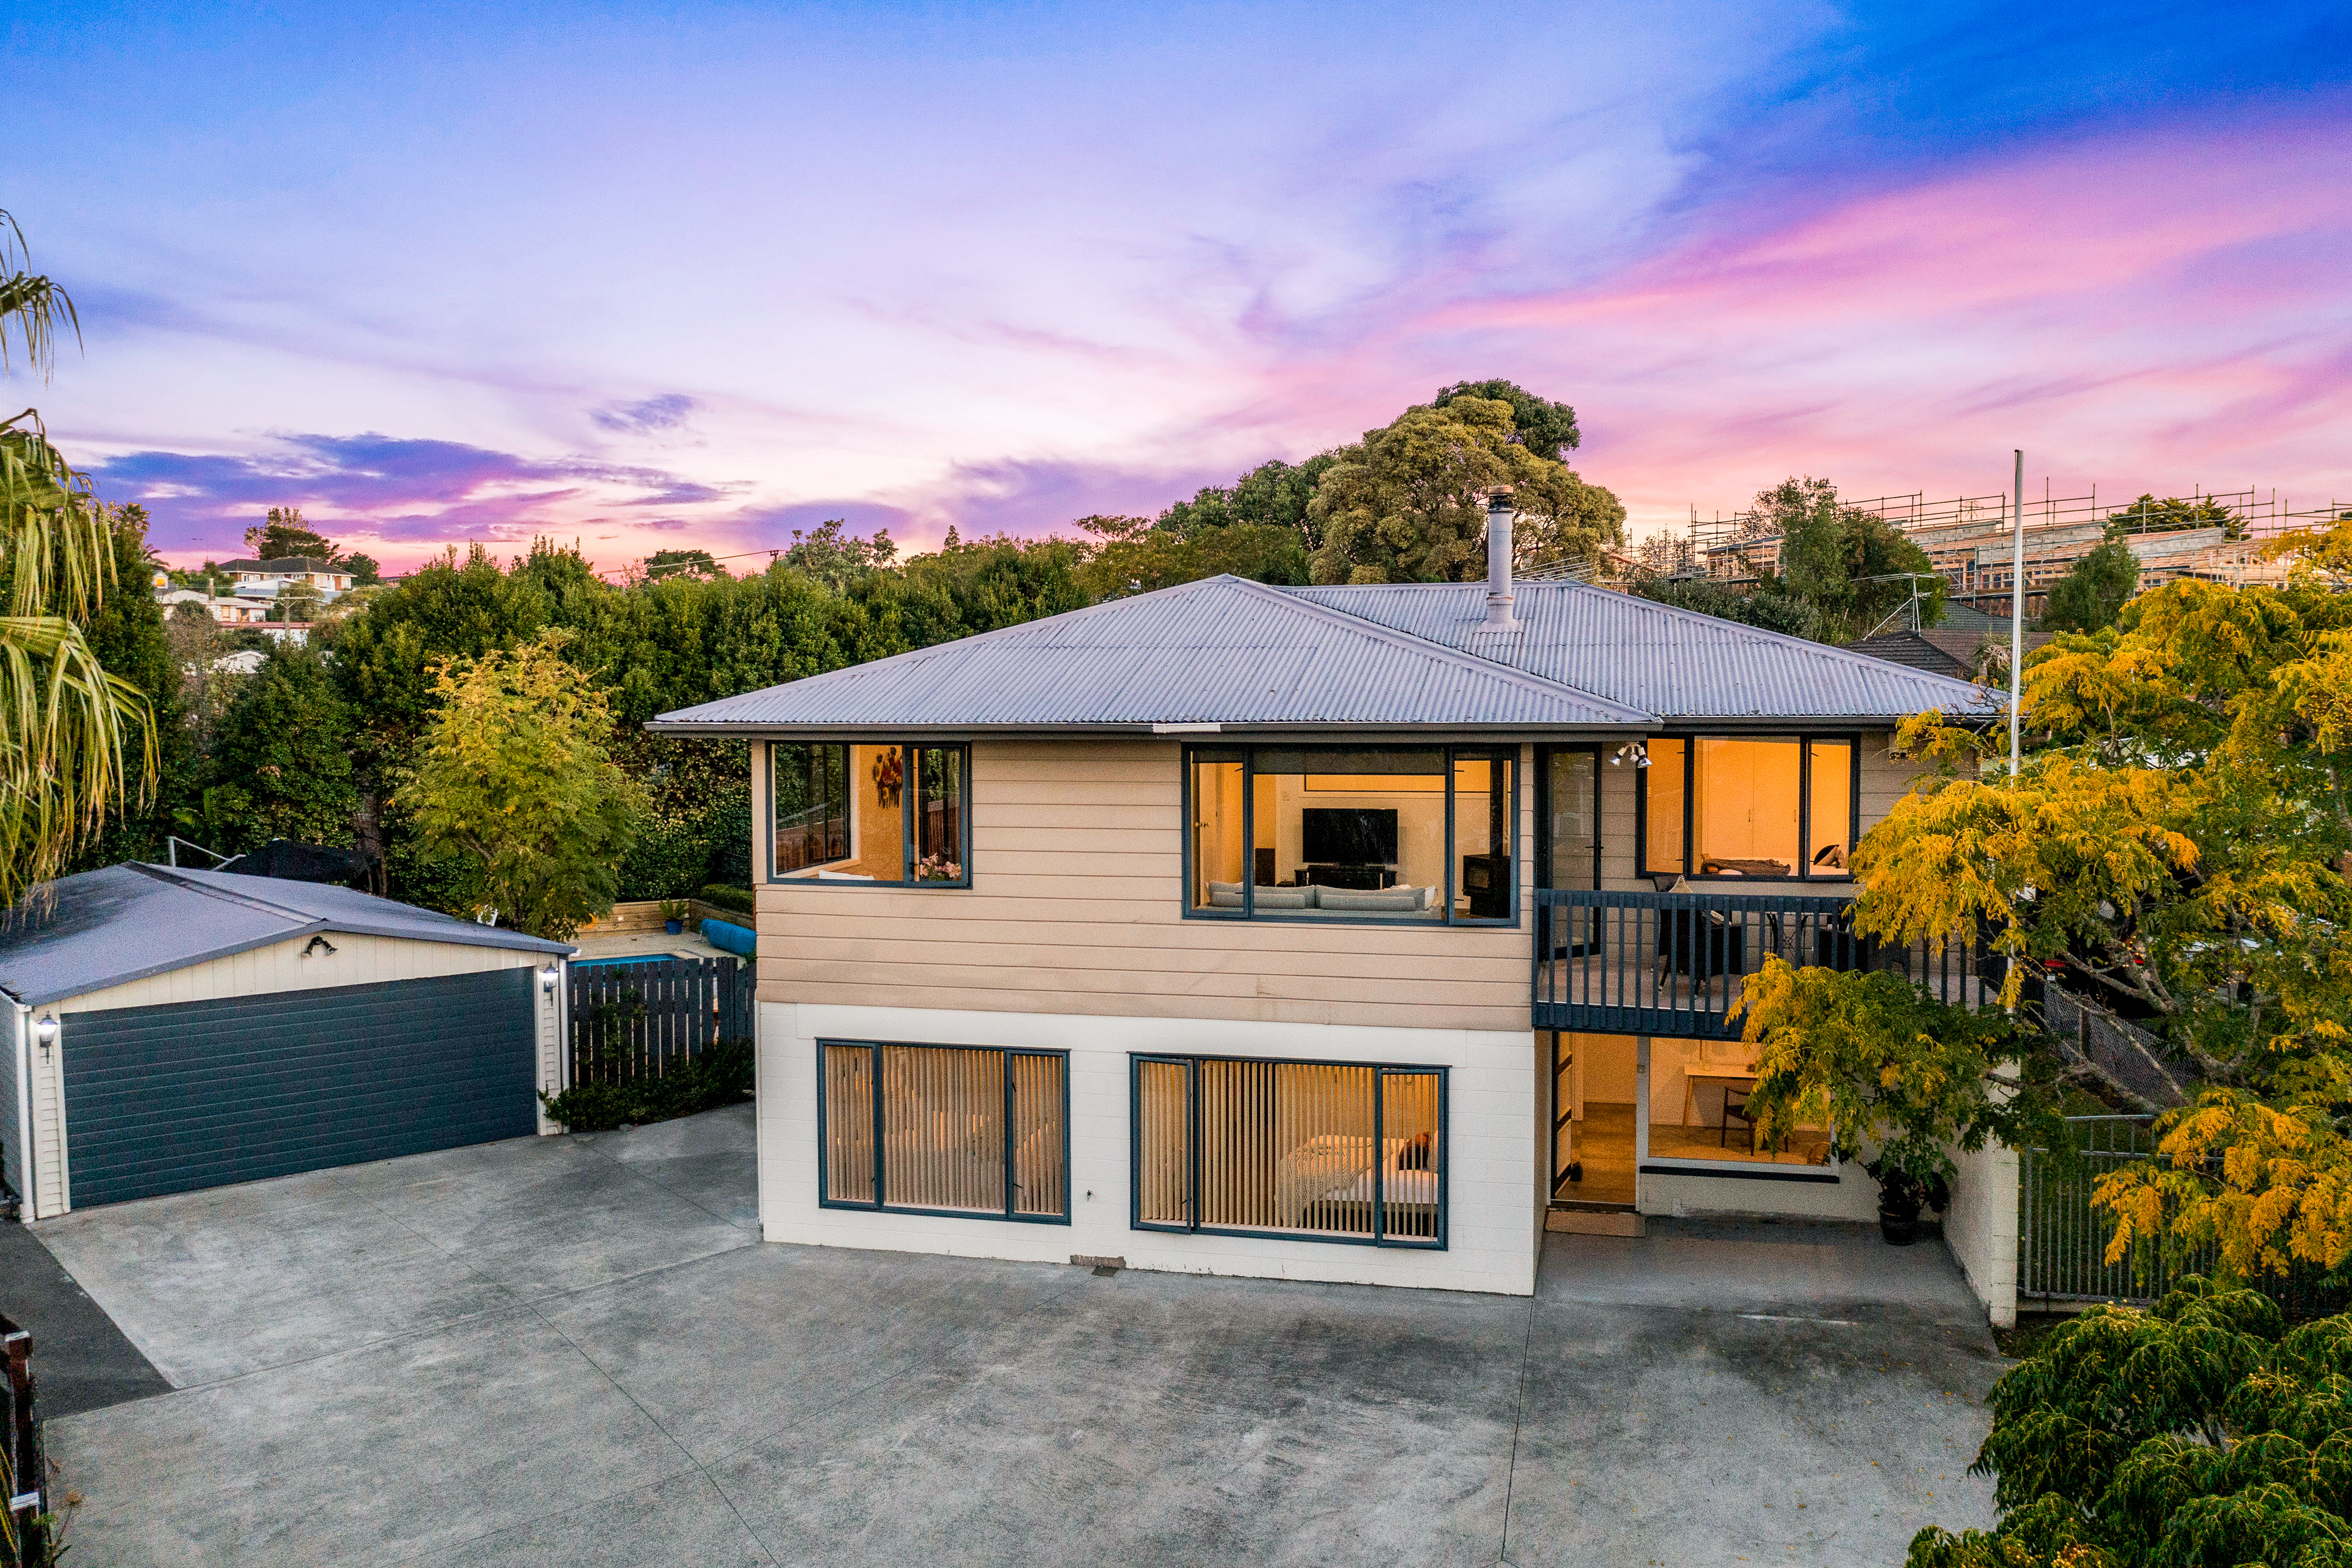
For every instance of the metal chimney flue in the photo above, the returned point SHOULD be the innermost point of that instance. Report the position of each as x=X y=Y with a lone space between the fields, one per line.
x=1499 y=562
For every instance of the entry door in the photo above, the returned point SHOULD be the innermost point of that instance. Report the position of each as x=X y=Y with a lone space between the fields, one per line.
x=1571 y=837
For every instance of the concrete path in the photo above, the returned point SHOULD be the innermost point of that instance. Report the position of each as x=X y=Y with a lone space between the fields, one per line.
x=570 y=1351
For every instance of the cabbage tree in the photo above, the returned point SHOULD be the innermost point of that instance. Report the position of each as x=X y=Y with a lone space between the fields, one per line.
x=68 y=752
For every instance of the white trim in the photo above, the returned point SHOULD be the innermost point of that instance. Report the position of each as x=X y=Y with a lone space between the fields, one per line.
x=20 y=1047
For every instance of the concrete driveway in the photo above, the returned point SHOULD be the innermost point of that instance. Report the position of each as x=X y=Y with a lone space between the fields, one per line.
x=574 y=1350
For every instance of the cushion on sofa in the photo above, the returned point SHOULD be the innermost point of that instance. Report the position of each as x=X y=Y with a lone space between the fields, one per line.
x=1228 y=896
x=1383 y=900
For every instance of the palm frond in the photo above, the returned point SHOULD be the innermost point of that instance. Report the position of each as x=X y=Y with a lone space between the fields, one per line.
x=60 y=559
x=66 y=751
x=32 y=307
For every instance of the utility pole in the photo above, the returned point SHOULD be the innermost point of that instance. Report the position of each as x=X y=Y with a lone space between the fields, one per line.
x=2017 y=613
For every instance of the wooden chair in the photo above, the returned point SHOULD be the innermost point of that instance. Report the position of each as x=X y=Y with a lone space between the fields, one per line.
x=1735 y=1108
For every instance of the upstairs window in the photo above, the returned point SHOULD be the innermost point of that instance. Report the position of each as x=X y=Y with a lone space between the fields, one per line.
x=1775 y=807
x=1424 y=836
x=889 y=814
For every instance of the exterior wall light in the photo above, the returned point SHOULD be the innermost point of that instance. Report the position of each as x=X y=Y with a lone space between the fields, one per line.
x=45 y=1034
x=548 y=977
x=1636 y=750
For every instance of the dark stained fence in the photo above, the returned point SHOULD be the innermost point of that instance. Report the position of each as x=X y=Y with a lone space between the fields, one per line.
x=634 y=1021
x=23 y=1484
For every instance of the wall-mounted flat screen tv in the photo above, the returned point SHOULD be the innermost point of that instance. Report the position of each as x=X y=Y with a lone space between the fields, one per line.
x=1349 y=836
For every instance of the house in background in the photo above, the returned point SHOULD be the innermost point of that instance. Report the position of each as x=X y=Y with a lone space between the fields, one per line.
x=1328 y=933
x=264 y=580
x=230 y=610
x=1967 y=645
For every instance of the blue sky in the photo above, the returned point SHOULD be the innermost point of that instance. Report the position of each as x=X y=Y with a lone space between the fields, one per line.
x=649 y=275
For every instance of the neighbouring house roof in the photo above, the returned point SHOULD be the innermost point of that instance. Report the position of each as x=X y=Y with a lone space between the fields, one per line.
x=1946 y=650
x=282 y=564
x=1236 y=654
x=108 y=928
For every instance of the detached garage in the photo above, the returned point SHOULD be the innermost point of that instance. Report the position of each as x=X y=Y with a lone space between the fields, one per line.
x=179 y=1029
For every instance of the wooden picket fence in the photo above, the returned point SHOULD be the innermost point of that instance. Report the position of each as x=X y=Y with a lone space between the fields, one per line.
x=634 y=1021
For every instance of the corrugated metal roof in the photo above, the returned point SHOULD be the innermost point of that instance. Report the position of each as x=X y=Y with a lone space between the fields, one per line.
x=1223 y=651
x=1677 y=664
x=126 y=922
x=1230 y=652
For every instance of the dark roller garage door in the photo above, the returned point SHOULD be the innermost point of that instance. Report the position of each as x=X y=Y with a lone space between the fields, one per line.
x=199 y=1094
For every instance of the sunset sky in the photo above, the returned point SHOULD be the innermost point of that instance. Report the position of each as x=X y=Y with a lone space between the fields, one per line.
x=647 y=276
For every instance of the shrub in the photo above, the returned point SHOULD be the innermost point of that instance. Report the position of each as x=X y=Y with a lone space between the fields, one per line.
x=2202 y=1432
x=669 y=860
x=738 y=901
x=720 y=1075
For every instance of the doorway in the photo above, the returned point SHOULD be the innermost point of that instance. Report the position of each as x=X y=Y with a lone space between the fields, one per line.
x=1596 y=1100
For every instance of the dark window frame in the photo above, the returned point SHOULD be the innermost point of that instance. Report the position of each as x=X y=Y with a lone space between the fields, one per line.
x=1544 y=846
x=909 y=792
x=881 y=1204
x=1804 y=872
x=1192 y=1065
x=1248 y=911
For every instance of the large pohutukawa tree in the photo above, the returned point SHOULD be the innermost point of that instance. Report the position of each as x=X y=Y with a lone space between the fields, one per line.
x=1407 y=503
x=74 y=740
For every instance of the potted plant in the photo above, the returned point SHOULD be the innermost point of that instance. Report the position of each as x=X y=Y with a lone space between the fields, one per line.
x=673 y=914
x=1901 y=1081
x=1904 y=1193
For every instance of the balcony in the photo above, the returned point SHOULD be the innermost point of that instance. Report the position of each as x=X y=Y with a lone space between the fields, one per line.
x=1672 y=963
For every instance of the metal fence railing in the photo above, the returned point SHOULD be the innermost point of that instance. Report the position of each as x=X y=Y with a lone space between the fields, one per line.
x=2062 y=1240
x=633 y=1021
x=24 y=1485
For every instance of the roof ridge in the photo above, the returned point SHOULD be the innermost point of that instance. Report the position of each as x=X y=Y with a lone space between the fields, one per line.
x=1460 y=657
x=174 y=875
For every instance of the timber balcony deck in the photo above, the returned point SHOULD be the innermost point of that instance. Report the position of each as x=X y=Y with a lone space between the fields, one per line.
x=1672 y=963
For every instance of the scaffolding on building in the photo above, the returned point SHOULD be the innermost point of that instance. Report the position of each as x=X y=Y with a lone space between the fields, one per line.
x=2216 y=536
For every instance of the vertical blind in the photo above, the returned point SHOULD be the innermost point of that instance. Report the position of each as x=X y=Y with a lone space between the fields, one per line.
x=956 y=1130
x=1312 y=1149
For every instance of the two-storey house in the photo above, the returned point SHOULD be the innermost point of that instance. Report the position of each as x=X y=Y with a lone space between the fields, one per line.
x=1330 y=933
x=265 y=580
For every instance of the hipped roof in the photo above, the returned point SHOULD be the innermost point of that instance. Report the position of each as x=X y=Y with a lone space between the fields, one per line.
x=1235 y=654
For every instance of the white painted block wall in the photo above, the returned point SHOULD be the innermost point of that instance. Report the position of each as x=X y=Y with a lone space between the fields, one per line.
x=1491 y=1108
x=1981 y=1228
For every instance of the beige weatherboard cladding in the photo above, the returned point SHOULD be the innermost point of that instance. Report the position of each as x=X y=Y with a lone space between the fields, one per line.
x=1077 y=907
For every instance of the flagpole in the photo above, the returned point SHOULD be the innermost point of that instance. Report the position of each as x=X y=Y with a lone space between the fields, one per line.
x=2017 y=612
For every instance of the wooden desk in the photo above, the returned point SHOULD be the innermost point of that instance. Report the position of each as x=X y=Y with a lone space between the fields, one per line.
x=1691 y=1080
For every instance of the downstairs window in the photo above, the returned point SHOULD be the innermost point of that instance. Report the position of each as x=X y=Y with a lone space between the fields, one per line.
x=1315 y=1151
x=946 y=1129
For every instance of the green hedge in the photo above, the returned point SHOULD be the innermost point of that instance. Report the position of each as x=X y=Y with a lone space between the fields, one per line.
x=737 y=900
x=720 y=1075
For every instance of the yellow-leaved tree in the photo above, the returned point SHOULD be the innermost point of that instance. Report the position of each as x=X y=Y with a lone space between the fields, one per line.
x=2175 y=847
x=515 y=788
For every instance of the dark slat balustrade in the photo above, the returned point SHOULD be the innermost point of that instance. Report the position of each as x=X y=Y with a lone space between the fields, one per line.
x=1674 y=964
